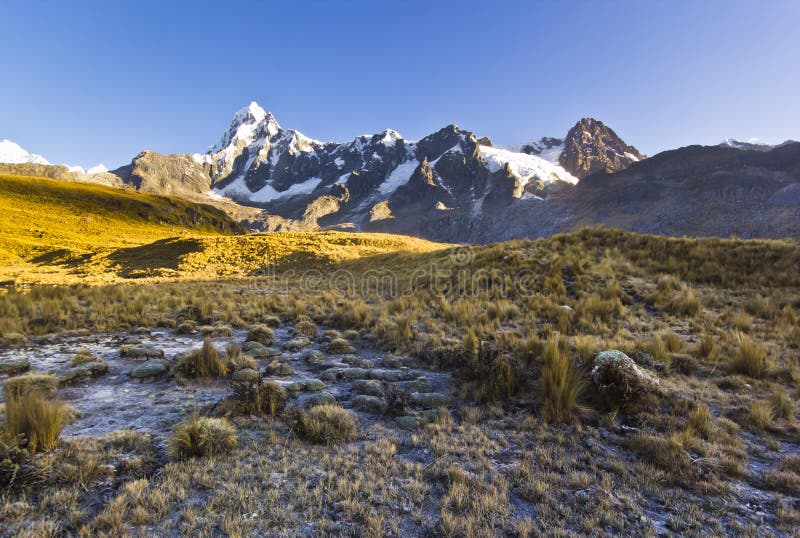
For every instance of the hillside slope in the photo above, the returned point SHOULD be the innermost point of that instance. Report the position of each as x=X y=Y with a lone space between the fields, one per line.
x=63 y=232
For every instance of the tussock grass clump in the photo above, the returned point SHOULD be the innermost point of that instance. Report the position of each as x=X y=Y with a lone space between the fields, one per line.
x=202 y=436
x=43 y=384
x=701 y=421
x=202 y=363
x=750 y=358
x=37 y=418
x=782 y=404
x=560 y=384
x=237 y=360
x=340 y=346
x=759 y=415
x=306 y=328
x=501 y=382
x=326 y=424
x=707 y=348
x=261 y=334
x=82 y=357
x=667 y=453
x=254 y=398
x=17 y=467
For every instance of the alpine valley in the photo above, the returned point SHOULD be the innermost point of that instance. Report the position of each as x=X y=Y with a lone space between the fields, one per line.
x=455 y=186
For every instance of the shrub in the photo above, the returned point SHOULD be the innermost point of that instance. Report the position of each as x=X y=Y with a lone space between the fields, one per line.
x=307 y=328
x=261 y=334
x=202 y=436
x=202 y=363
x=271 y=321
x=40 y=420
x=352 y=335
x=749 y=359
x=326 y=424
x=560 y=384
x=44 y=384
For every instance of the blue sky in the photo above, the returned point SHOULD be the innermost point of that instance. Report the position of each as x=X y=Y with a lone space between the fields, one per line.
x=87 y=82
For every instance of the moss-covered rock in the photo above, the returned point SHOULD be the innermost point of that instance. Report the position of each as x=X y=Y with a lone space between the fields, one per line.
x=261 y=334
x=14 y=366
x=259 y=350
x=83 y=371
x=246 y=374
x=619 y=379
x=150 y=369
x=340 y=346
x=297 y=343
x=140 y=351
x=279 y=368
x=370 y=404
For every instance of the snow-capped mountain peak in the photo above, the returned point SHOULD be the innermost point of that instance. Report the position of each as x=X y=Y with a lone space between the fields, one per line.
x=11 y=152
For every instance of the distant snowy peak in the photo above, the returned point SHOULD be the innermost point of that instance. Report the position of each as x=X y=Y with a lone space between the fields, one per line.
x=590 y=146
x=752 y=144
x=547 y=148
x=12 y=153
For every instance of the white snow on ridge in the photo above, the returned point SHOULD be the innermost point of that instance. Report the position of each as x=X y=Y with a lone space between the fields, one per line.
x=268 y=193
x=14 y=154
x=524 y=166
x=399 y=176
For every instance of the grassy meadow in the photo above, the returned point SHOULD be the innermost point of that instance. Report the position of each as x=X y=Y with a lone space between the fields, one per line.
x=547 y=439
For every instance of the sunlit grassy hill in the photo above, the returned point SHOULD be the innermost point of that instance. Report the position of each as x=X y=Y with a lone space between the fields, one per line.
x=63 y=232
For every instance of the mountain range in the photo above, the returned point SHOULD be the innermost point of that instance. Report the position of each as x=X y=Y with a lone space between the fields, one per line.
x=453 y=185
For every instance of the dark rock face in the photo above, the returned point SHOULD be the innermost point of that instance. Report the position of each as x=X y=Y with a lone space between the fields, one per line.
x=695 y=191
x=591 y=146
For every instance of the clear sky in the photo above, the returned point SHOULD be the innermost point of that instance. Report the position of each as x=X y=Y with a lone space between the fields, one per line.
x=88 y=82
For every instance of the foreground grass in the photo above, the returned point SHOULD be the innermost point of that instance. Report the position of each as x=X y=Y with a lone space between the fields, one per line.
x=715 y=320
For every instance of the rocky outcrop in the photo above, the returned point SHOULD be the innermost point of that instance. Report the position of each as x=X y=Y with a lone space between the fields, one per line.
x=591 y=146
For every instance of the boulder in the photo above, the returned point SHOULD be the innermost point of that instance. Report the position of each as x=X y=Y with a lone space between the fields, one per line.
x=619 y=378
x=151 y=368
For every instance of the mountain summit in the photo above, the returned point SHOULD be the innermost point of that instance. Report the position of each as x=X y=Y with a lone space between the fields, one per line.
x=590 y=146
